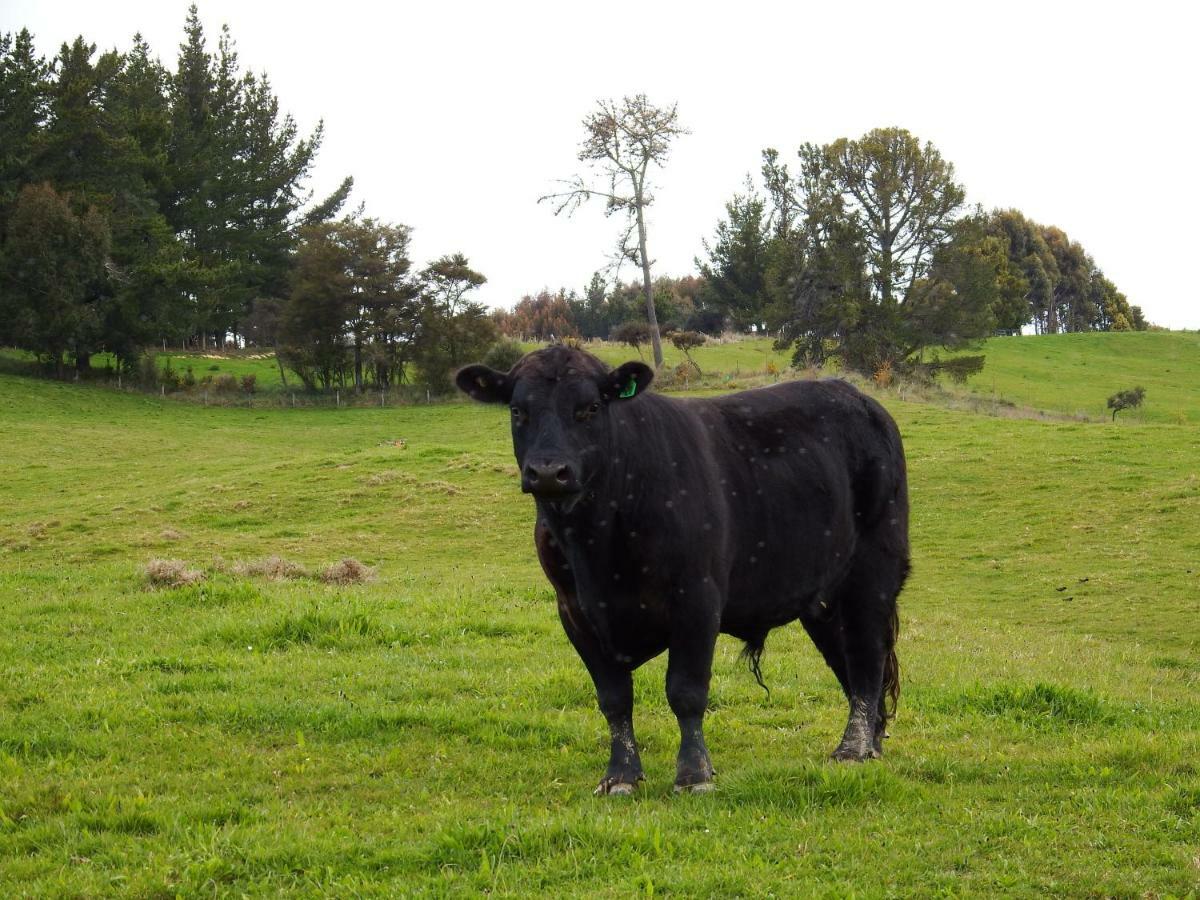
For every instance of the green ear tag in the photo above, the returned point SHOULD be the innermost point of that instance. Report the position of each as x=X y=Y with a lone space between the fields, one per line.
x=629 y=390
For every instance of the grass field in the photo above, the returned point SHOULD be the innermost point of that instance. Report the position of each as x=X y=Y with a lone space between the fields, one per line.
x=1077 y=373
x=432 y=732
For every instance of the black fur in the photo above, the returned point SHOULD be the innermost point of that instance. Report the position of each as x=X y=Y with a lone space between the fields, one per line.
x=661 y=522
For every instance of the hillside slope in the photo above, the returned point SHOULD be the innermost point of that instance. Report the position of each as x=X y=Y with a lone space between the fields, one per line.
x=1077 y=373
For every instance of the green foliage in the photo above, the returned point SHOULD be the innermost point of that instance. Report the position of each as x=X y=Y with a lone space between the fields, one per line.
x=634 y=333
x=735 y=273
x=871 y=262
x=503 y=355
x=351 y=306
x=1127 y=399
x=687 y=341
x=454 y=330
x=52 y=273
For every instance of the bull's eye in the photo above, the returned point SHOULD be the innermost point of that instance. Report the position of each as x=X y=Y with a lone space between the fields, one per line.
x=586 y=412
x=517 y=414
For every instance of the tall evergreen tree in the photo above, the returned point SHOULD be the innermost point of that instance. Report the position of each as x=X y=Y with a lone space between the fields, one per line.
x=53 y=261
x=736 y=269
x=24 y=85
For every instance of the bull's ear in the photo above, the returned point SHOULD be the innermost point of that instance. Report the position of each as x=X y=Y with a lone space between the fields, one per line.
x=627 y=380
x=484 y=384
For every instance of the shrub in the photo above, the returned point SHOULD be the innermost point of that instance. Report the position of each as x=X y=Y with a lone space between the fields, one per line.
x=634 y=333
x=686 y=342
x=1130 y=399
x=503 y=355
x=883 y=374
x=249 y=383
x=189 y=378
x=226 y=384
x=169 y=377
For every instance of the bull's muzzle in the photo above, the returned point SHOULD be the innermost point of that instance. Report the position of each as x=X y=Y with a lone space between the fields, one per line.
x=549 y=479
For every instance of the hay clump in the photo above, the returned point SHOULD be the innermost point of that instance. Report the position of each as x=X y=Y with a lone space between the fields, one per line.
x=273 y=567
x=170 y=573
x=347 y=571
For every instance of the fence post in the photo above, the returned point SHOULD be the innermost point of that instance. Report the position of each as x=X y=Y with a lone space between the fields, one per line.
x=381 y=403
x=164 y=390
x=206 y=398
x=293 y=399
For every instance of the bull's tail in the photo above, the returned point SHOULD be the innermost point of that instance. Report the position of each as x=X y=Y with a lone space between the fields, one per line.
x=752 y=653
x=891 y=665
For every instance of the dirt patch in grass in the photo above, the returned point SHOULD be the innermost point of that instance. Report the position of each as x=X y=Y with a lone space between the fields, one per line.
x=170 y=573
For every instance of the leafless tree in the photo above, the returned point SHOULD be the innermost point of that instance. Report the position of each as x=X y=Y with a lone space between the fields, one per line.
x=623 y=140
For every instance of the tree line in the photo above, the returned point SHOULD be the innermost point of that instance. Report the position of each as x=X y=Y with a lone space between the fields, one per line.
x=869 y=252
x=864 y=250
x=142 y=205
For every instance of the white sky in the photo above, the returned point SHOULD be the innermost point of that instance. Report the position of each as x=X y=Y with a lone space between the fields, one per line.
x=454 y=117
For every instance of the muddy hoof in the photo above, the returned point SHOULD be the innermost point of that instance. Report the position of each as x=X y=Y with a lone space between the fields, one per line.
x=703 y=787
x=610 y=787
x=855 y=754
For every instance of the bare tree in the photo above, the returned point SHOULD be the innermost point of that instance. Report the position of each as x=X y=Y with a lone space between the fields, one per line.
x=623 y=140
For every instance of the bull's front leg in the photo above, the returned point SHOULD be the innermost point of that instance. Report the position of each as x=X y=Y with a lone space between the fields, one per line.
x=614 y=691
x=689 y=670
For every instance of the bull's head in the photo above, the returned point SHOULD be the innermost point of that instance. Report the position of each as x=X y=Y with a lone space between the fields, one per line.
x=561 y=401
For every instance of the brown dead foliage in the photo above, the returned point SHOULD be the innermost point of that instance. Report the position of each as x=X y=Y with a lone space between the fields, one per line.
x=170 y=573
x=273 y=567
x=347 y=571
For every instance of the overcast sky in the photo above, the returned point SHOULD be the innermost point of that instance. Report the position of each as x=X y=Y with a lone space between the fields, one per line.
x=454 y=117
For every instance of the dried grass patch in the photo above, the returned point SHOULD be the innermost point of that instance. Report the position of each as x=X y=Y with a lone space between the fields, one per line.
x=170 y=573
x=347 y=571
x=273 y=567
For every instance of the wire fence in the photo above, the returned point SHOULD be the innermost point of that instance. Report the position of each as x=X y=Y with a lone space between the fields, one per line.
x=270 y=397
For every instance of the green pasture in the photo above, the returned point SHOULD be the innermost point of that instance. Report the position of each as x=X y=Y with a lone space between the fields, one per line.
x=431 y=731
x=1077 y=373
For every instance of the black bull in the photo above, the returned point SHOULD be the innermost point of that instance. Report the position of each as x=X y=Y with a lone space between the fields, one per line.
x=664 y=522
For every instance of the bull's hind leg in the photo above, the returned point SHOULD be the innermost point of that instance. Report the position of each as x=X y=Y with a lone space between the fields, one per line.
x=866 y=614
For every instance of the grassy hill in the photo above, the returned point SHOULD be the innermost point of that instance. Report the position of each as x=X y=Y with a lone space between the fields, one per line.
x=1077 y=373
x=431 y=730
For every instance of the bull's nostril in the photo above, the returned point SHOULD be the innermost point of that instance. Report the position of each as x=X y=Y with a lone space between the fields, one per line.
x=563 y=474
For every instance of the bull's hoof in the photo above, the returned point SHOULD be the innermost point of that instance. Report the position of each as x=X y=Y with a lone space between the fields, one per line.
x=700 y=787
x=846 y=753
x=613 y=787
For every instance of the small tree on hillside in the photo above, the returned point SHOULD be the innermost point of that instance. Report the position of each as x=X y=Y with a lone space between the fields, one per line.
x=1130 y=399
